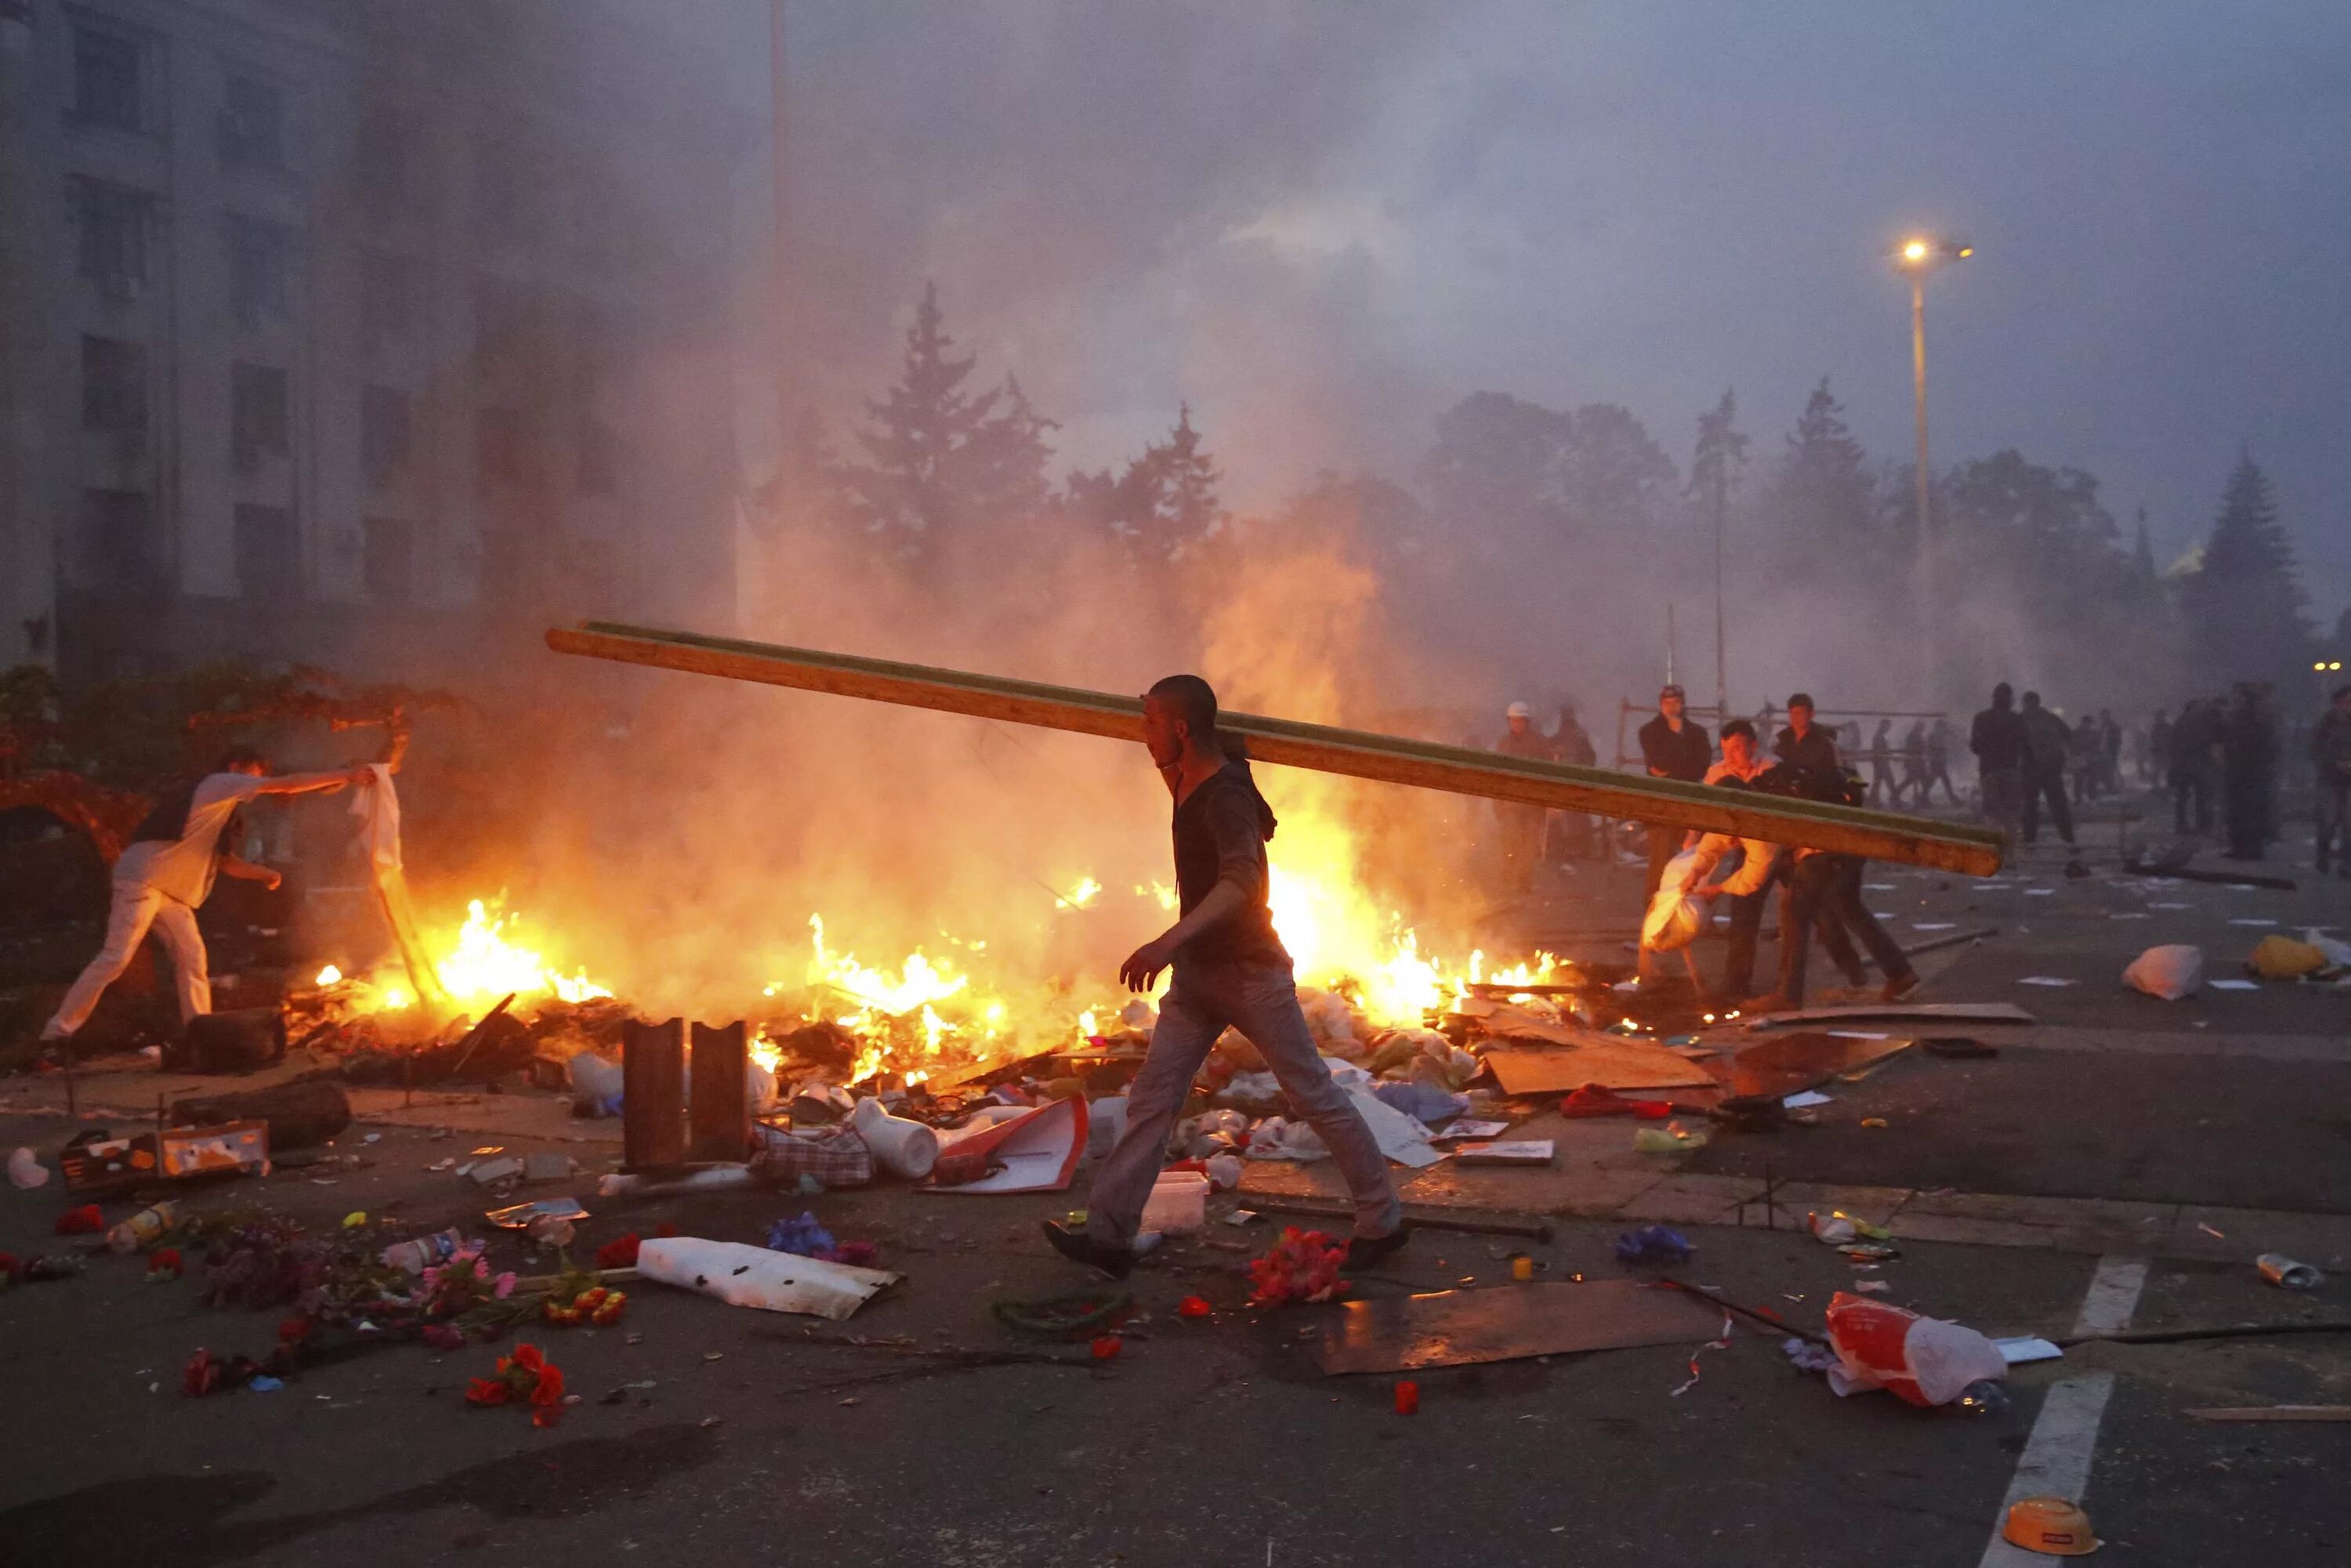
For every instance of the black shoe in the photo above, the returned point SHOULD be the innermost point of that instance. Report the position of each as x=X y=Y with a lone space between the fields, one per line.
x=1114 y=1262
x=1366 y=1252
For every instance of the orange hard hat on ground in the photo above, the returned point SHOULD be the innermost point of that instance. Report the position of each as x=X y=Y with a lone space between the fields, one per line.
x=2050 y=1525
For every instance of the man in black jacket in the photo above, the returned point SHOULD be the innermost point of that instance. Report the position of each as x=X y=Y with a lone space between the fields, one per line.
x=1998 y=741
x=1674 y=746
x=2048 y=744
x=1804 y=743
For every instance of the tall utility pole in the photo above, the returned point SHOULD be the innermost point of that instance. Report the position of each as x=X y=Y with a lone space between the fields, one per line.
x=779 y=257
x=1721 y=660
x=1918 y=258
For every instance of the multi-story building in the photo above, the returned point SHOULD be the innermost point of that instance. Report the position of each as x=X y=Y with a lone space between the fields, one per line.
x=369 y=333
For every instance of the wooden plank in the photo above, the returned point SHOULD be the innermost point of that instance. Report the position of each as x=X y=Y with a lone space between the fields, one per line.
x=1507 y=1323
x=1900 y=1012
x=1792 y=1063
x=718 y=1108
x=1877 y=835
x=653 y=1095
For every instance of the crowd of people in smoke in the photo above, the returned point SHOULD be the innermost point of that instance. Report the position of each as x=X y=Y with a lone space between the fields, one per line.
x=2219 y=760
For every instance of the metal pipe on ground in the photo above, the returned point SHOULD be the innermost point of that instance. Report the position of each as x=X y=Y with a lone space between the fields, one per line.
x=1876 y=835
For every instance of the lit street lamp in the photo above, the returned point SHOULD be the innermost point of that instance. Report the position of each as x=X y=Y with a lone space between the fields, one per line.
x=1917 y=256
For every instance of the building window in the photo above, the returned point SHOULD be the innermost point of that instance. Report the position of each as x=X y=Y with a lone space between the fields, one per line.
x=113 y=386
x=268 y=554
x=387 y=432
x=384 y=299
x=112 y=222
x=260 y=267
x=253 y=124
x=388 y=559
x=121 y=552
x=258 y=414
x=106 y=80
x=500 y=449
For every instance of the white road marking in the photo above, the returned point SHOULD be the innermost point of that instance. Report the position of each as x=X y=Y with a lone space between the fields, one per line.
x=2057 y=1457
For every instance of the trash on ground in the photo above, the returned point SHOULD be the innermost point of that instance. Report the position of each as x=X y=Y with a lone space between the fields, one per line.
x=526 y=1377
x=96 y=1162
x=905 y=1149
x=1178 y=1203
x=1304 y=1266
x=1514 y=1151
x=417 y=1254
x=523 y=1216
x=2052 y=1526
x=87 y=1220
x=1035 y=1150
x=1594 y=1100
x=1838 y=1228
x=26 y=1172
x=490 y=1172
x=2018 y=1349
x=1921 y=1360
x=2046 y=980
x=1611 y=1063
x=837 y=1156
x=715 y=1178
x=2232 y=985
x=1897 y=1012
x=1957 y=1048
x=1792 y=1063
x=1806 y=1101
x=2283 y=1271
x=1079 y=1315
x=2170 y=972
x=1673 y=1138
x=745 y=1276
x=1654 y=1244
x=1509 y=1323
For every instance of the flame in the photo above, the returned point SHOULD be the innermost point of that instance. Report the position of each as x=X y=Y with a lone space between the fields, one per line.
x=484 y=963
x=918 y=983
x=1081 y=896
x=330 y=976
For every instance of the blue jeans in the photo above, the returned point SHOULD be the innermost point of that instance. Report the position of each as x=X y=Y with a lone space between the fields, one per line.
x=1261 y=1002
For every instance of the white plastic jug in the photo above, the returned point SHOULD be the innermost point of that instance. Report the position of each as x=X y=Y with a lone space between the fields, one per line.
x=1178 y=1203
x=904 y=1149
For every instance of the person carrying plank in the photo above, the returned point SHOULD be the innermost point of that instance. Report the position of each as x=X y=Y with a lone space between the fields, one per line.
x=1230 y=970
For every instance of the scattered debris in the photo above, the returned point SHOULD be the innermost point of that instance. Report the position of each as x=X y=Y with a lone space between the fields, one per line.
x=1069 y=1318
x=1654 y=1244
x=2272 y=1412
x=2285 y=1272
x=1304 y=1266
x=1921 y=1360
x=746 y=1276
x=2172 y=972
x=1510 y=1322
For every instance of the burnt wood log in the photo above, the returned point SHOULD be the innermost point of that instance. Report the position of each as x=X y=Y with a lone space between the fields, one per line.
x=653 y=1095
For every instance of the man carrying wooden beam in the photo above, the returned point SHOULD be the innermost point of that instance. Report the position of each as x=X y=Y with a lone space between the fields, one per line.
x=1231 y=971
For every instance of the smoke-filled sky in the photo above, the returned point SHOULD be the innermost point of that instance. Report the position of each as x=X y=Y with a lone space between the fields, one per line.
x=1321 y=223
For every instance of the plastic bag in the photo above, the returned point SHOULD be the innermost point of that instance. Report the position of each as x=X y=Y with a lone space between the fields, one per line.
x=2170 y=972
x=2277 y=957
x=1925 y=1361
x=1673 y=922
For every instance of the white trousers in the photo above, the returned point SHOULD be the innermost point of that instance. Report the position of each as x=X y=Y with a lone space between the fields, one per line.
x=136 y=908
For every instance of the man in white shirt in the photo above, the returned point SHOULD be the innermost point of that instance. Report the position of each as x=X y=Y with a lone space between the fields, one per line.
x=166 y=872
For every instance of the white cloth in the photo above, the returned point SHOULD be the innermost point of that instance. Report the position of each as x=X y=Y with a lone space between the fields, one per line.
x=181 y=868
x=137 y=907
x=1708 y=852
x=378 y=807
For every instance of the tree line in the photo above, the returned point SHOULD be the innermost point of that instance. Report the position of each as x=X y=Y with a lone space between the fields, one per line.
x=2037 y=576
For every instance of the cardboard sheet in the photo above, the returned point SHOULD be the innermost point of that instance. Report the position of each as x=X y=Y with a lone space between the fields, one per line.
x=1507 y=1323
x=1805 y=1059
x=1901 y=1012
x=1611 y=1062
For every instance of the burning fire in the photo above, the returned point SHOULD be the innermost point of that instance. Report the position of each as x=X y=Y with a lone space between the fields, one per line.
x=478 y=964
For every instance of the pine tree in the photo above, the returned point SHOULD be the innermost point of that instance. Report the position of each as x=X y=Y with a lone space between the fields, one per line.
x=1164 y=506
x=1824 y=486
x=906 y=492
x=998 y=473
x=2247 y=615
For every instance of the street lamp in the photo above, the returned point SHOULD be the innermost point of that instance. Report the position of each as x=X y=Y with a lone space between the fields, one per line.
x=1917 y=256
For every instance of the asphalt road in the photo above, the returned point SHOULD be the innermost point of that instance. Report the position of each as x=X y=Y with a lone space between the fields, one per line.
x=1216 y=1442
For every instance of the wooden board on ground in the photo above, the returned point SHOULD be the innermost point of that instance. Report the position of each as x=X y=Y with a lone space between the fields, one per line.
x=1805 y=1059
x=1900 y=1012
x=1508 y=1323
x=1611 y=1065
x=2273 y=1413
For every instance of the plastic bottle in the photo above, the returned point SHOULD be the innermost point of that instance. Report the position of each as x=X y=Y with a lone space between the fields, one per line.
x=421 y=1253
x=147 y=1225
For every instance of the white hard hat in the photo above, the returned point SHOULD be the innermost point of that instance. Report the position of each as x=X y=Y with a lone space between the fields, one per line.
x=1519 y=710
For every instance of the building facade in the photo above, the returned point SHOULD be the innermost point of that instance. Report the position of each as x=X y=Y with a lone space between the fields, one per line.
x=374 y=334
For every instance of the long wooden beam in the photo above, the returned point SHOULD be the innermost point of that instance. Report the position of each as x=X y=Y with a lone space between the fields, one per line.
x=1878 y=835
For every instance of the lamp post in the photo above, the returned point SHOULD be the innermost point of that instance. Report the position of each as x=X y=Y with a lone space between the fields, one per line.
x=1917 y=256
